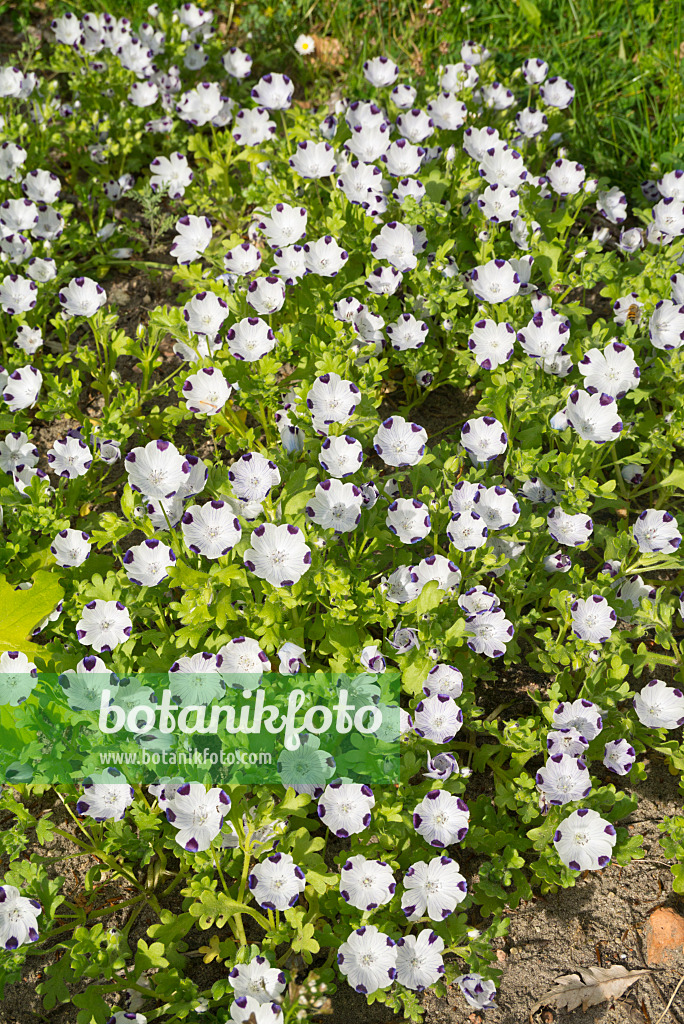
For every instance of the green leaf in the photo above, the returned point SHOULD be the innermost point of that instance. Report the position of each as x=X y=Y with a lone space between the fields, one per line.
x=45 y=830
x=23 y=610
x=216 y=907
x=678 y=872
x=675 y=478
x=94 y=1009
x=530 y=12
x=149 y=956
x=429 y=597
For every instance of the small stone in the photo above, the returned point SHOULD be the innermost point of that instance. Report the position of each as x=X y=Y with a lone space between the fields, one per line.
x=664 y=935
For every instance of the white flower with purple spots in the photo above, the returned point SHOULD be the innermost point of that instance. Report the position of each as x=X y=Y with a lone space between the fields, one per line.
x=666 y=326
x=71 y=547
x=441 y=766
x=566 y=177
x=499 y=204
x=284 y=225
x=146 y=564
x=205 y=313
x=332 y=400
x=380 y=71
x=437 y=718
x=395 y=244
x=478 y=599
x=613 y=205
x=242 y=259
x=243 y=662
x=594 y=417
x=18 y=918
x=400 y=443
x=501 y=164
x=276 y=882
x=158 y=470
x=336 y=506
x=419 y=960
x=566 y=741
x=171 y=174
x=345 y=808
x=563 y=779
x=478 y=992
x=659 y=706
x=584 y=841
x=206 y=392
x=253 y=476
x=278 y=554
x=611 y=372
x=656 y=530
x=105 y=801
x=324 y=257
x=484 y=438
x=366 y=884
x=408 y=519
x=498 y=507
x=18 y=676
x=434 y=888
x=193 y=235
x=465 y=496
x=82 y=297
x=292 y=658
x=341 y=456
x=441 y=818
x=197 y=815
x=258 y=980
x=368 y=959
x=441 y=569
x=619 y=756
x=492 y=344
x=402 y=585
x=443 y=679
x=16 y=450
x=212 y=529
x=17 y=294
x=447 y=111
x=313 y=160
x=593 y=619
x=568 y=529
x=250 y=339
x=495 y=281
x=237 y=63
x=70 y=457
x=104 y=625
x=246 y=1010
x=273 y=91
x=372 y=660
x=467 y=531
x=545 y=335
x=407 y=333
x=21 y=388
x=489 y=632
x=579 y=714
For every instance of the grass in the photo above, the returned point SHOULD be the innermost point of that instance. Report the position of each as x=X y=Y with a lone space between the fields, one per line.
x=624 y=57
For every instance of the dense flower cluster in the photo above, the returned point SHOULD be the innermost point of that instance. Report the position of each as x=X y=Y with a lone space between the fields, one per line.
x=270 y=500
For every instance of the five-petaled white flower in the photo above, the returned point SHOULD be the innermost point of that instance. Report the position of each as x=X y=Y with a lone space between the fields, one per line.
x=196 y=814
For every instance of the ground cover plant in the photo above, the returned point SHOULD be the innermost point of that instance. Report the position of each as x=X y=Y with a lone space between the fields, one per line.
x=238 y=486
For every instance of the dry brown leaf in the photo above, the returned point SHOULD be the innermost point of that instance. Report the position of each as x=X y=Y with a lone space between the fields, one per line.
x=329 y=51
x=589 y=986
